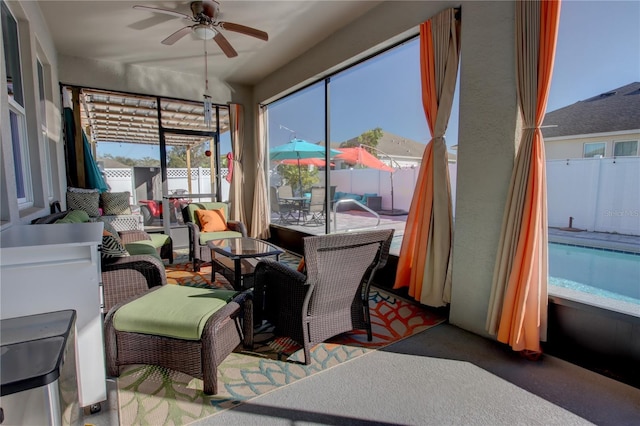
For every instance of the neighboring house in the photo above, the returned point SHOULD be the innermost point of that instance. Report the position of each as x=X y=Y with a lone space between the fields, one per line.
x=606 y=125
x=404 y=152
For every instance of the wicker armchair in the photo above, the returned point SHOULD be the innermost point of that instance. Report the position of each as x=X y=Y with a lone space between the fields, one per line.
x=199 y=252
x=130 y=276
x=332 y=298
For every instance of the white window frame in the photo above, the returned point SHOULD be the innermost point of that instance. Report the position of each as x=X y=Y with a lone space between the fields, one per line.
x=21 y=131
x=627 y=141
x=44 y=138
x=584 y=149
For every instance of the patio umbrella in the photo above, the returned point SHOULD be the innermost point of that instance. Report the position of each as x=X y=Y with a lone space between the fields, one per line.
x=298 y=149
x=362 y=157
x=318 y=162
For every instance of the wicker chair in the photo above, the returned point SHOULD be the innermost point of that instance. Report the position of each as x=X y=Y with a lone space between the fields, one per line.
x=223 y=332
x=199 y=252
x=332 y=298
x=125 y=277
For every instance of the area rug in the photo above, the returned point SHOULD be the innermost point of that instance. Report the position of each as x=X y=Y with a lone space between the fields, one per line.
x=156 y=395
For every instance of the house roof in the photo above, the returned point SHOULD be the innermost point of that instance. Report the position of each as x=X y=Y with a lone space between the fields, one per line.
x=394 y=145
x=612 y=111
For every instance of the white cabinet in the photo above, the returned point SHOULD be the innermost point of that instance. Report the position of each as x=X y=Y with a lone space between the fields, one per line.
x=47 y=268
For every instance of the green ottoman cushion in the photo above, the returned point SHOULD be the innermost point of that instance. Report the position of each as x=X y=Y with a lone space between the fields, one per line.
x=142 y=247
x=172 y=311
x=159 y=240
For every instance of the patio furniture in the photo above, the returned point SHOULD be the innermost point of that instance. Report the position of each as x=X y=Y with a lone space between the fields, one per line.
x=199 y=235
x=236 y=258
x=332 y=298
x=284 y=210
x=316 y=206
x=187 y=329
x=124 y=277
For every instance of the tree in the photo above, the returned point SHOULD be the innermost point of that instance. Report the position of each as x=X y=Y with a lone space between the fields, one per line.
x=177 y=157
x=369 y=138
x=308 y=176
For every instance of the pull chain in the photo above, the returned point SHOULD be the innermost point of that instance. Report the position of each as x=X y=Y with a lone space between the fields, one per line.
x=207 y=98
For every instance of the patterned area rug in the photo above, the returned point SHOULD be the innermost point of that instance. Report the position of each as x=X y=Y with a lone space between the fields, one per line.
x=155 y=395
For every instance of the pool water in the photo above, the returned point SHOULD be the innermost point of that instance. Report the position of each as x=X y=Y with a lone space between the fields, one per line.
x=606 y=273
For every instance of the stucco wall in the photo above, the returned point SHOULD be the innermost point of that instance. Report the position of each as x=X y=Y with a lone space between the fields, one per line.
x=487 y=130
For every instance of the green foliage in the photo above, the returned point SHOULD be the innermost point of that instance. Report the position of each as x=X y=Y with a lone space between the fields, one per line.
x=369 y=138
x=177 y=157
x=289 y=174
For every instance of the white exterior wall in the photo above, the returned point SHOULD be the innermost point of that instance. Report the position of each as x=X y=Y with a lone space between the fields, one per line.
x=562 y=148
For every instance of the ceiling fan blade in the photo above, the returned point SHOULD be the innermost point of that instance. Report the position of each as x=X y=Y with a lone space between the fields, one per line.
x=177 y=36
x=243 y=29
x=225 y=46
x=164 y=11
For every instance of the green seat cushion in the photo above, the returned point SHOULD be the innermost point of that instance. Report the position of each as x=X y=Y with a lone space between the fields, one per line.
x=74 y=216
x=172 y=311
x=142 y=247
x=159 y=240
x=208 y=236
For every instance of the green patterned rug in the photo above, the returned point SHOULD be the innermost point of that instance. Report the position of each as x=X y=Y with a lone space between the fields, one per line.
x=155 y=395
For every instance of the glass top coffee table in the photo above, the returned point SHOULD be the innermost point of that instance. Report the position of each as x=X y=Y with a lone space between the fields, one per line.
x=236 y=259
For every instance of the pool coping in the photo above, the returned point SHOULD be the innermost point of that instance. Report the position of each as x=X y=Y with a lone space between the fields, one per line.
x=597 y=240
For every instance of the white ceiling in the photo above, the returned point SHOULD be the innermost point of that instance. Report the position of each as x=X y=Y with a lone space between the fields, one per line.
x=114 y=31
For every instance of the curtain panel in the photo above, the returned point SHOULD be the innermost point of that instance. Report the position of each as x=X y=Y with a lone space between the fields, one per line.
x=424 y=264
x=260 y=214
x=518 y=303
x=236 y=118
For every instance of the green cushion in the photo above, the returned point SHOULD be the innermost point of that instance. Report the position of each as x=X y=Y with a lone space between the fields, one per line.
x=208 y=236
x=142 y=247
x=158 y=240
x=172 y=311
x=74 y=216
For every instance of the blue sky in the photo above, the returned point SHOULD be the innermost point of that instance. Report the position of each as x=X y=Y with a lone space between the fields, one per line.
x=598 y=50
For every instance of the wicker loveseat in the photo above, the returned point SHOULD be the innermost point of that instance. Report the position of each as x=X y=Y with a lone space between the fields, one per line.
x=124 y=277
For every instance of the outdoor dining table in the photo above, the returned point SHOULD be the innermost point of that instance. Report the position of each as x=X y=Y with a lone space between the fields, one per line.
x=298 y=204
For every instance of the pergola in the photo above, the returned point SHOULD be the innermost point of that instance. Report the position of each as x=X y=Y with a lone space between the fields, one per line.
x=118 y=117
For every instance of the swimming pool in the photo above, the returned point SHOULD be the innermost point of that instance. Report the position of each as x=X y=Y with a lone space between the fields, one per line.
x=605 y=273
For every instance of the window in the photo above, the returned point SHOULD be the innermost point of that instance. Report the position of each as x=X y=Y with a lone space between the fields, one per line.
x=43 y=120
x=625 y=149
x=594 y=150
x=17 y=118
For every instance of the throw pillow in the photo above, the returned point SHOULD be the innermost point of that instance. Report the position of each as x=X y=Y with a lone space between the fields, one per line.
x=115 y=203
x=74 y=216
x=81 y=190
x=301 y=266
x=110 y=229
x=87 y=201
x=211 y=220
x=112 y=248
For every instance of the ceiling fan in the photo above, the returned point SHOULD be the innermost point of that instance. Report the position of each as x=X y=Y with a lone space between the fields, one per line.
x=205 y=14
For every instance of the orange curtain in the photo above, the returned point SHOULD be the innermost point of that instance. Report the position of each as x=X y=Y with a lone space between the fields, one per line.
x=518 y=304
x=260 y=213
x=424 y=264
x=236 y=118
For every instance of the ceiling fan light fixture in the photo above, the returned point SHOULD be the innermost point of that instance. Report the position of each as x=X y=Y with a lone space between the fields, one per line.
x=204 y=32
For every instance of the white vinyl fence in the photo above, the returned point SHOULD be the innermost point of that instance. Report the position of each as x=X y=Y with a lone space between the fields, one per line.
x=600 y=194
x=121 y=180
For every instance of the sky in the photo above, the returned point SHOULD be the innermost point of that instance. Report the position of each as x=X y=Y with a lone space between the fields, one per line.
x=598 y=50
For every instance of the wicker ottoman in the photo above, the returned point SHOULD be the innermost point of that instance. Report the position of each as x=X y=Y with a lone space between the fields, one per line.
x=155 y=340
